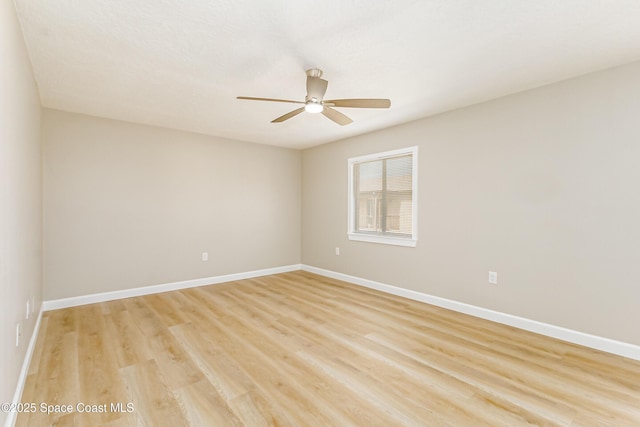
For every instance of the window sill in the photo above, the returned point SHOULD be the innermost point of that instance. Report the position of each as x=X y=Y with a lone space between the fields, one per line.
x=385 y=240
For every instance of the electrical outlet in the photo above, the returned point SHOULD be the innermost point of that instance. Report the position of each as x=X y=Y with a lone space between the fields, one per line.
x=205 y=256
x=337 y=251
x=493 y=277
x=18 y=333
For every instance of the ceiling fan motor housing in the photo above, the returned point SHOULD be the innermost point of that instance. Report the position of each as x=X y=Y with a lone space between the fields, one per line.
x=316 y=87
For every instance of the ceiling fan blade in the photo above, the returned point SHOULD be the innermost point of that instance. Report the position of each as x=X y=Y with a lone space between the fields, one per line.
x=360 y=103
x=288 y=115
x=336 y=116
x=250 y=98
x=316 y=88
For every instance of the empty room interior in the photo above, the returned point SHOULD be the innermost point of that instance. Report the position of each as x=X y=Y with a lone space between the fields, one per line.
x=294 y=213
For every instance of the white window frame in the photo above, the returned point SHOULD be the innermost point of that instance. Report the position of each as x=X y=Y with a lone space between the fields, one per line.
x=376 y=238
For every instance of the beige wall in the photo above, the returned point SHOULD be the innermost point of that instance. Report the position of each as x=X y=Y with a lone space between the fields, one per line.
x=542 y=187
x=20 y=199
x=128 y=205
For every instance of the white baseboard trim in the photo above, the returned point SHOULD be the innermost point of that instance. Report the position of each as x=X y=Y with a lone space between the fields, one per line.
x=600 y=343
x=22 y=378
x=593 y=341
x=165 y=287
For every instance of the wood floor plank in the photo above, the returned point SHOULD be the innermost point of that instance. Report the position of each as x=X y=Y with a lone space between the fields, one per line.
x=175 y=364
x=129 y=343
x=298 y=349
x=259 y=359
x=95 y=366
x=221 y=370
x=56 y=378
x=284 y=346
x=480 y=379
x=167 y=307
x=253 y=410
x=202 y=405
x=155 y=405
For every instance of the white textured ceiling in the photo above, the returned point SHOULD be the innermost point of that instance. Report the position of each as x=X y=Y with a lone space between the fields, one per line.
x=180 y=64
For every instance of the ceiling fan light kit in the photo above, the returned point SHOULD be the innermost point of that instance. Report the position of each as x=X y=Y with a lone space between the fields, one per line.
x=314 y=101
x=313 y=107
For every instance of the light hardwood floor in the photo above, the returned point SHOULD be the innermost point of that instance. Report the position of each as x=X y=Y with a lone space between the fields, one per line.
x=298 y=349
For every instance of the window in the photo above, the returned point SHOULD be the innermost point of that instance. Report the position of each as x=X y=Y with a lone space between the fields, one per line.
x=383 y=197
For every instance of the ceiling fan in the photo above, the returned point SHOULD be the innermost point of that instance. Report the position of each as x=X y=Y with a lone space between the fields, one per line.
x=314 y=102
